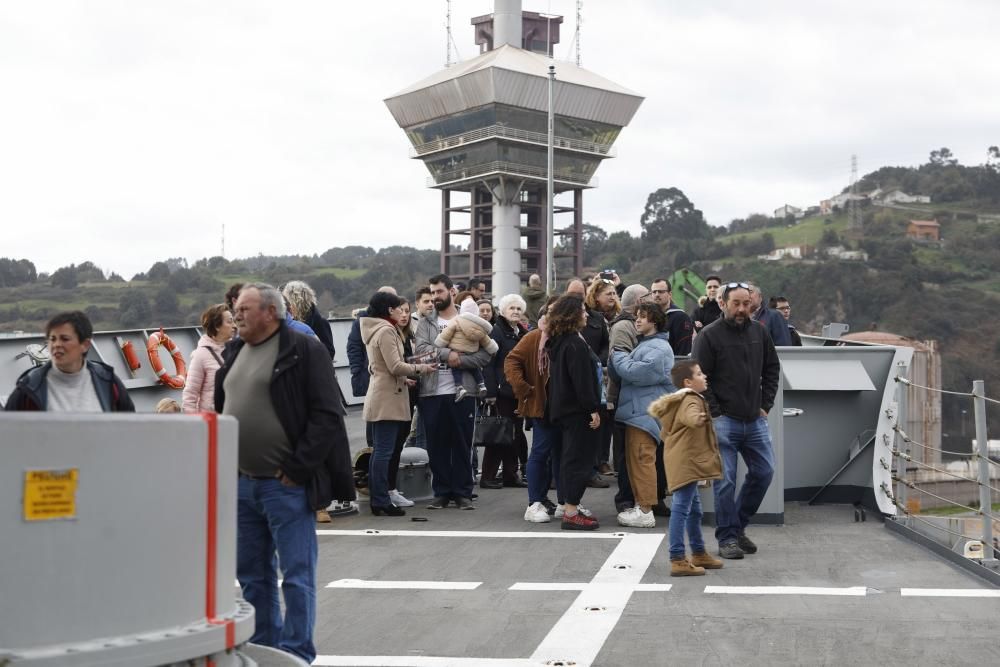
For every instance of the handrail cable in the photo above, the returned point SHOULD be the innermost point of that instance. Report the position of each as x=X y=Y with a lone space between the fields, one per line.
x=907 y=512
x=908 y=457
x=911 y=383
x=910 y=485
x=907 y=439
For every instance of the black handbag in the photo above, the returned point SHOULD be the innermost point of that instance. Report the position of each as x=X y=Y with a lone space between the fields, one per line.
x=492 y=429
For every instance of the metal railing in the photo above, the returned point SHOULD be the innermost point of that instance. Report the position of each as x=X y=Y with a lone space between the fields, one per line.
x=510 y=169
x=514 y=134
x=899 y=469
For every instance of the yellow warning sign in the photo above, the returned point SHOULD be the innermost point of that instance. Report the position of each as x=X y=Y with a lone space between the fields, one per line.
x=50 y=494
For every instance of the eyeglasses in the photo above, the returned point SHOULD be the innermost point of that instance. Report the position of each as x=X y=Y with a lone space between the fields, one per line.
x=607 y=280
x=784 y=307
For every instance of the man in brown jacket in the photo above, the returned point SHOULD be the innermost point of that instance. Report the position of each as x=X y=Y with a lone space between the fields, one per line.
x=526 y=369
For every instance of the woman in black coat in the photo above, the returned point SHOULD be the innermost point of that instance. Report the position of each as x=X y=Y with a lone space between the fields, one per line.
x=574 y=403
x=507 y=332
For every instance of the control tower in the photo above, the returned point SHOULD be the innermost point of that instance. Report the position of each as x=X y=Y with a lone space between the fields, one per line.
x=481 y=127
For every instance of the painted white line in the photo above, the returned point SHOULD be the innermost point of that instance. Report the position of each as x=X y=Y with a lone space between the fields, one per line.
x=543 y=586
x=950 y=592
x=653 y=588
x=471 y=533
x=857 y=591
x=411 y=585
x=580 y=633
x=417 y=661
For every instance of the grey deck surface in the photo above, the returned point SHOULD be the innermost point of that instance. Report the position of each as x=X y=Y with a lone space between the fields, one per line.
x=818 y=547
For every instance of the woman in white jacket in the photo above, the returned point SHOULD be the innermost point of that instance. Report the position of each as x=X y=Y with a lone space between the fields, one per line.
x=199 y=389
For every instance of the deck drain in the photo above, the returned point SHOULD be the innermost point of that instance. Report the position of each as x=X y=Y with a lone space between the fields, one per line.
x=595 y=608
x=371 y=531
x=560 y=663
x=618 y=534
x=621 y=566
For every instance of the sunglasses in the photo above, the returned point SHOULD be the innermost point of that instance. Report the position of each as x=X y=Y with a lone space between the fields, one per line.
x=731 y=286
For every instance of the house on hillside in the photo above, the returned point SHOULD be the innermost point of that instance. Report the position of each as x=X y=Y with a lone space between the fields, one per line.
x=790 y=252
x=827 y=206
x=845 y=255
x=924 y=230
x=897 y=196
x=787 y=210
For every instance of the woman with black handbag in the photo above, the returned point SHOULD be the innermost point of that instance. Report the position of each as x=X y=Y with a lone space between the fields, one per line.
x=507 y=331
x=574 y=403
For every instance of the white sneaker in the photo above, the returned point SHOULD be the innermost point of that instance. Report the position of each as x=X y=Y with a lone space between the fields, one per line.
x=399 y=500
x=636 y=518
x=561 y=510
x=536 y=513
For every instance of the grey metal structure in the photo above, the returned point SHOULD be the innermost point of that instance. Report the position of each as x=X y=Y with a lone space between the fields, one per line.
x=480 y=128
x=103 y=586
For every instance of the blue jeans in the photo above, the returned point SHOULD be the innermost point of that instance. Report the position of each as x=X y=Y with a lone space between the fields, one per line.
x=449 y=443
x=275 y=523
x=543 y=460
x=752 y=441
x=685 y=515
x=384 y=436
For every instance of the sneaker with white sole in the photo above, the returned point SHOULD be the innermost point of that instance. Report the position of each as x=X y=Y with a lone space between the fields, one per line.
x=536 y=513
x=399 y=500
x=561 y=511
x=636 y=518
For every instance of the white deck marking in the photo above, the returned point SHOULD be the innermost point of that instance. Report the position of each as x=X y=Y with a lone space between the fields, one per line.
x=579 y=586
x=580 y=633
x=414 y=585
x=950 y=592
x=417 y=661
x=858 y=591
x=471 y=533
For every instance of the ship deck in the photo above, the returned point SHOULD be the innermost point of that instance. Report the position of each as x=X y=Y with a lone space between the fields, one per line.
x=485 y=587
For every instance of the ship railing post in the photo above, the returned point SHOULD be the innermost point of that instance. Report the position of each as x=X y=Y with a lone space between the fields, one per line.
x=985 y=500
x=902 y=495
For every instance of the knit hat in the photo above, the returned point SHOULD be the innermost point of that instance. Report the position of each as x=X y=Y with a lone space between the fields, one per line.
x=632 y=295
x=469 y=307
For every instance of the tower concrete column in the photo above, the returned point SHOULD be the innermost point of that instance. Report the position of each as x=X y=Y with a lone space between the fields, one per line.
x=506 y=239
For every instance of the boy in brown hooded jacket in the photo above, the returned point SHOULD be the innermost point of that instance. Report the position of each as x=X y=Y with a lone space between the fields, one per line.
x=691 y=454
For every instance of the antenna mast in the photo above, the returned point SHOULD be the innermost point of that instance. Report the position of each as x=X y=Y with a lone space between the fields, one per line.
x=576 y=37
x=447 y=57
x=854 y=225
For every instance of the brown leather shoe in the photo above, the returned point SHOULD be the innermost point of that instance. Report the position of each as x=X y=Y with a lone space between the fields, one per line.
x=322 y=516
x=706 y=560
x=682 y=567
x=605 y=469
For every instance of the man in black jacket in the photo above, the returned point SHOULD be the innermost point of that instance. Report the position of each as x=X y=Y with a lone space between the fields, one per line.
x=708 y=306
x=679 y=324
x=293 y=459
x=737 y=355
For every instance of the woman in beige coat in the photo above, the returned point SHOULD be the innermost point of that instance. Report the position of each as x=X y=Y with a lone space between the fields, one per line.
x=387 y=403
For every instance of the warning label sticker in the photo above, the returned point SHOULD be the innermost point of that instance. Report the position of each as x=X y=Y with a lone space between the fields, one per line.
x=50 y=494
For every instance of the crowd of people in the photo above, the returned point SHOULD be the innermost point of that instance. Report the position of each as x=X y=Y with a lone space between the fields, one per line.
x=615 y=383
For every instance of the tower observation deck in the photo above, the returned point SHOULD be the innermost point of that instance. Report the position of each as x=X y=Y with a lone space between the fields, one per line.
x=480 y=127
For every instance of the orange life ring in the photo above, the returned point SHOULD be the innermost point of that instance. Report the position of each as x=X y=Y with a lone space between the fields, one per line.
x=157 y=339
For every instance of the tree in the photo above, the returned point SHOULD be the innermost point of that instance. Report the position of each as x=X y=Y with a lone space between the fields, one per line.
x=158 y=272
x=166 y=301
x=942 y=157
x=670 y=214
x=594 y=240
x=14 y=272
x=134 y=310
x=65 y=277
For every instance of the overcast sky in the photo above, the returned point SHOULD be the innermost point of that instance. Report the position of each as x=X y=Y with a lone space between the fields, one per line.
x=132 y=131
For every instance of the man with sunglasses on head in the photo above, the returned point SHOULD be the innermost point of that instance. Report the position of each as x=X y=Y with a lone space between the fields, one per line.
x=742 y=366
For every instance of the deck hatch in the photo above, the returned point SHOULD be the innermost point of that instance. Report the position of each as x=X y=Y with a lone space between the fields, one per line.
x=826 y=375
